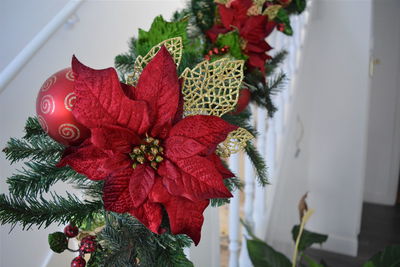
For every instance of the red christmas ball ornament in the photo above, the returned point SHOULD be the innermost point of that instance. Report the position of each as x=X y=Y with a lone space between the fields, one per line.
x=243 y=101
x=88 y=244
x=78 y=262
x=71 y=230
x=54 y=105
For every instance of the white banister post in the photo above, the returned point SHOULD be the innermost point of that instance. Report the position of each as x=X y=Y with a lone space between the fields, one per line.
x=259 y=199
x=234 y=217
x=249 y=176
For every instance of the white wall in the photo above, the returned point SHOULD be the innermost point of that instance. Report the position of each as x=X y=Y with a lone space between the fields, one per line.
x=383 y=157
x=103 y=31
x=331 y=99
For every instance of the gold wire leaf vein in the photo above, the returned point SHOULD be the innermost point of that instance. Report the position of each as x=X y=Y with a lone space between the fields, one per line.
x=174 y=47
x=212 y=88
x=272 y=11
x=234 y=143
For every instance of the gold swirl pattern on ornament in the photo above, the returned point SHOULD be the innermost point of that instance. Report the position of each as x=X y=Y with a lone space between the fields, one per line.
x=69 y=101
x=47 y=105
x=69 y=131
x=43 y=123
x=48 y=83
x=70 y=75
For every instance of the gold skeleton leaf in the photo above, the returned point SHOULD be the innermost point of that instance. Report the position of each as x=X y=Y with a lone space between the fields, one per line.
x=272 y=11
x=235 y=142
x=212 y=88
x=174 y=47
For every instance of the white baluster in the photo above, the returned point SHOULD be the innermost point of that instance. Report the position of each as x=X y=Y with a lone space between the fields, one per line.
x=259 y=199
x=249 y=176
x=234 y=217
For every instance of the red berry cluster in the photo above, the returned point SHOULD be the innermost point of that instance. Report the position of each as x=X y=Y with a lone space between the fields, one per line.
x=88 y=245
x=216 y=51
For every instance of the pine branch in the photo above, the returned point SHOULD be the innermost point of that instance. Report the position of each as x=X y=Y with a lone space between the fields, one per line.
x=38 y=148
x=125 y=62
x=232 y=184
x=258 y=163
x=37 y=178
x=262 y=93
x=31 y=211
x=275 y=61
x=241 y=120
x=33 y=129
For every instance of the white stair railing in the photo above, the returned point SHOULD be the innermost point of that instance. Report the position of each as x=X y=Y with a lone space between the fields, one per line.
x=255 y=207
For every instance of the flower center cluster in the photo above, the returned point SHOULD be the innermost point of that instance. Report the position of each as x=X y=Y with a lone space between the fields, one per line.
x=149 y=152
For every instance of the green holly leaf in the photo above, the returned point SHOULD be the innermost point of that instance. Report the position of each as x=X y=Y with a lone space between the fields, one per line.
x=160 y=30
x=232 y=40
x=307 y=238
x=58 y=242
x=263 y=255
x=300 y=5
x=389 y=257
x=283 y=18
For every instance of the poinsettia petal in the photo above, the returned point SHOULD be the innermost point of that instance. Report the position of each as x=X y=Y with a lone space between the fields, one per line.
x=87 y=160
x=254 y=29
x=150 y=214
x=220 y=166
x=116 y=195
x=207 y=130
x=214 y=31
x=100 y=100
x=194 y=178
x=182 y=147
x=226 y=15
x=185 y=216
x=158 y=85
x=140 y=184
x=114 y=138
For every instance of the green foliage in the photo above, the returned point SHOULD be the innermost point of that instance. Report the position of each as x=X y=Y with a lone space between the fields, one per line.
x=126 y=239
x=312 y=263
x=307 y=238
x=272 y=64
x=37 y=177
x=35 y=149
x=96 y=259
x=258 y=163
x=261 y=93
x=58 y=242
x=204 y=13
x=241 y=120
x=232 y=40
x=389 y=257
x=160 y=30
x=33 y=129
x=283 y=17
x=232 y=184
x=39 y=211
x=296 y=6
x=263 y=255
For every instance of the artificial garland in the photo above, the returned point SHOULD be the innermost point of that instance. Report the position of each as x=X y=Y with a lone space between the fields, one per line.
x=147 y=150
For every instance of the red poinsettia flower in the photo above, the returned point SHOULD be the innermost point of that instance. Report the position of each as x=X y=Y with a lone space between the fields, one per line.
x=149 y=156
x=253 y=30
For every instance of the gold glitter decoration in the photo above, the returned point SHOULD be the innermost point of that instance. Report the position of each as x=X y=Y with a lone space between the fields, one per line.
x=235 y=142
x=254 y=10
x=272 y=11
x=174 y=47
x=212 y=88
